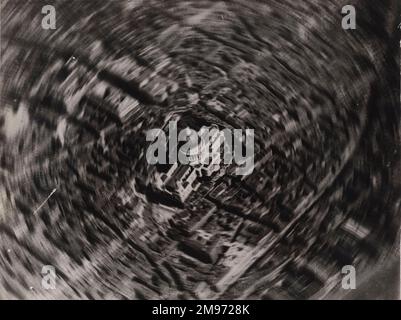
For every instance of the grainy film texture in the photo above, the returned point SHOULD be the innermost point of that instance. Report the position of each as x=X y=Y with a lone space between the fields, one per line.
x=200 y=149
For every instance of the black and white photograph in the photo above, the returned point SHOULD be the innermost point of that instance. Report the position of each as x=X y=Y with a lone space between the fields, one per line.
x=208 y=150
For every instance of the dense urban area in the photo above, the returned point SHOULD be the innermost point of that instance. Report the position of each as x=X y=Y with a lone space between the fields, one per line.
x=77 y=102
